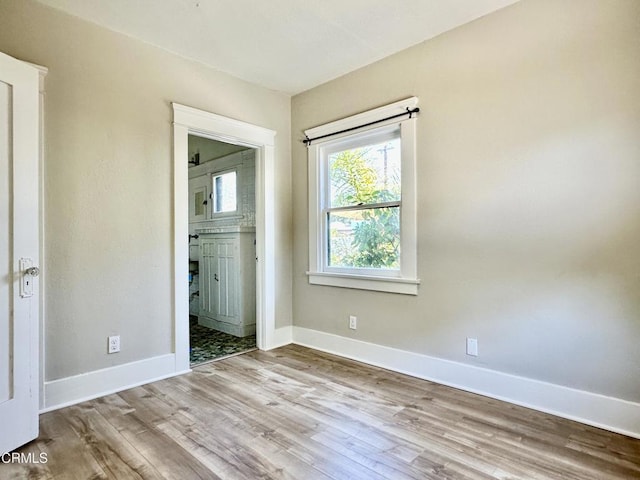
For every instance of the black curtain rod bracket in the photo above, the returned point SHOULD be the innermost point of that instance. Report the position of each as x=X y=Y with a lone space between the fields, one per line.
x=410 y=111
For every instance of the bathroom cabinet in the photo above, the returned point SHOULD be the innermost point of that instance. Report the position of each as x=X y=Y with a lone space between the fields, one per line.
x=228 y=280
x=199 y=198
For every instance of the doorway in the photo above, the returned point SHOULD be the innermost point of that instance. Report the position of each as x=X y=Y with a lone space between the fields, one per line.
x=222 y=240
x=186 y=121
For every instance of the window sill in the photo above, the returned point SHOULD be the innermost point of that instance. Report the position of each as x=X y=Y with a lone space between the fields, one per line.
x=403 y=286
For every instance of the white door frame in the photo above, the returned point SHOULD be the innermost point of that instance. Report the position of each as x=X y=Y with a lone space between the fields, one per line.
x=41 y=209
x=188 y=120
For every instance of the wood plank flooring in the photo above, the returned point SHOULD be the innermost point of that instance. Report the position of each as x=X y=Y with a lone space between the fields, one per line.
x=294 y=413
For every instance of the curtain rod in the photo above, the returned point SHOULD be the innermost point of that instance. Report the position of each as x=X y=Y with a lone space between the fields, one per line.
x=410 y=111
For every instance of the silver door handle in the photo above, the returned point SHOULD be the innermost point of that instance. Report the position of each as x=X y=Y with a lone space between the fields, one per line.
x=33 y=271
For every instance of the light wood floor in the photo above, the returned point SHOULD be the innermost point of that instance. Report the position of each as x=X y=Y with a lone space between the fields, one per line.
x=299 y=414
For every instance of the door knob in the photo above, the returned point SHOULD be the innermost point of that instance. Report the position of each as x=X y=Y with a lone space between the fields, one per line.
x=215 y=277
x=33 y=271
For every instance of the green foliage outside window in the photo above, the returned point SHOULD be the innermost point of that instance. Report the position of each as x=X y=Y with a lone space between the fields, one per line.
x=364 y=237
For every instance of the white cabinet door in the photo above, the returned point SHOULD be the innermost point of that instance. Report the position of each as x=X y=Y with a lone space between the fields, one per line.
x=19 y=237
x=228 y=283
x=199 y=201
x=220 y=278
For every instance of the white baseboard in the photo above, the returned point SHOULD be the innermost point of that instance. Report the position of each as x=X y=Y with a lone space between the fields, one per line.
x=79 y=388
x=610 y=413
x=281 y=336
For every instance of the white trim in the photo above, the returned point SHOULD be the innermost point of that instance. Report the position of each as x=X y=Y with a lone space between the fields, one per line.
x=79 y=388
x=180 y=247
x=188 y=120
x=282 y=336
x=315 y=203
x=222 y=128
x=362 y=282
x=363 y=118
x=42 y=282
x=409 y=211
x=601 y=411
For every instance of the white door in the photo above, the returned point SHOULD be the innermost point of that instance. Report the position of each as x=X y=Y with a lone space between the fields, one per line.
x=18 y=253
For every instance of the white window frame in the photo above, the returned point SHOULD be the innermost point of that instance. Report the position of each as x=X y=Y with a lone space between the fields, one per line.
x=404 y=280
x=212 y=176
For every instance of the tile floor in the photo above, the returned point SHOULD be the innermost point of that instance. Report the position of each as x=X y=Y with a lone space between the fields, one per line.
x=207 y=344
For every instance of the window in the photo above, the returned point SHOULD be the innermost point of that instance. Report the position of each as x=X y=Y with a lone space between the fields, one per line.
x=224 y=192
x=363 y=192
x=362 y=217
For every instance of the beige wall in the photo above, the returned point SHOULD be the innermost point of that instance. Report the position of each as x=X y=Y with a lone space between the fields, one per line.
x=108 y=181
x=529 y=195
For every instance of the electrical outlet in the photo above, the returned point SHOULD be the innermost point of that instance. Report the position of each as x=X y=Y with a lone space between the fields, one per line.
x=353 y=322
x=472 y=347
x=114 y=344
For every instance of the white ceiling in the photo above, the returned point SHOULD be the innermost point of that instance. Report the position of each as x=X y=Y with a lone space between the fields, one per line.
x=285 y=45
